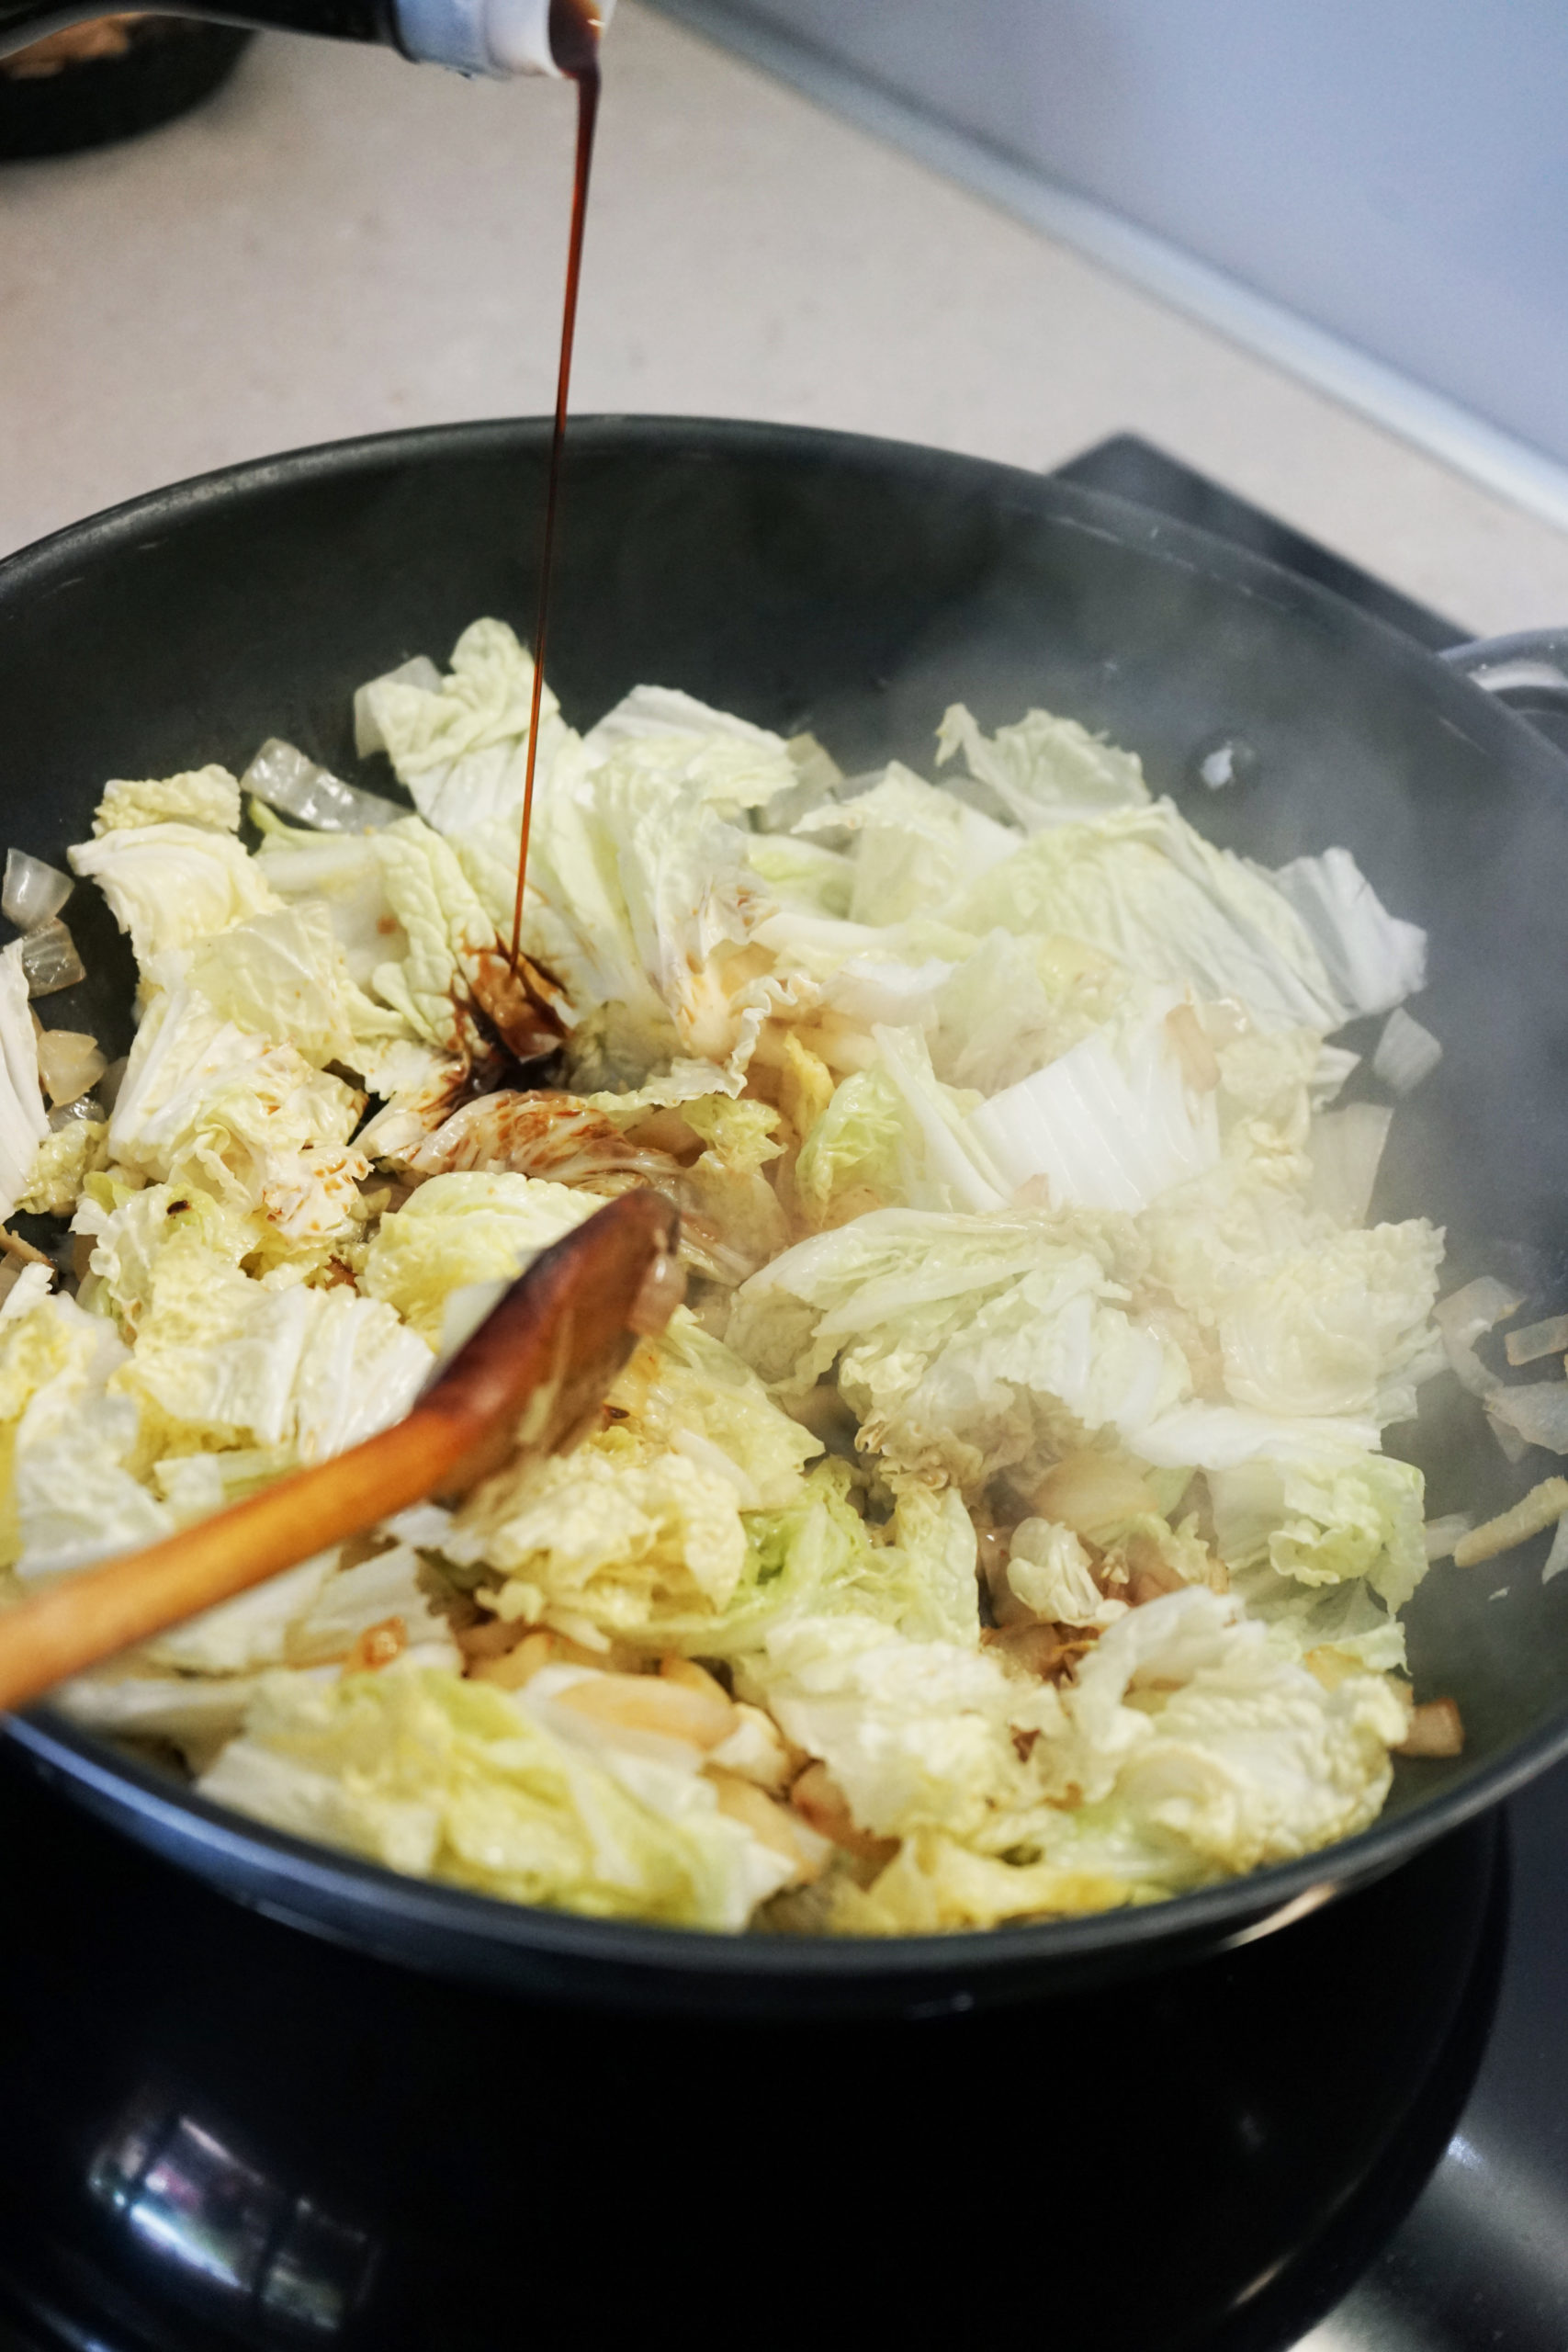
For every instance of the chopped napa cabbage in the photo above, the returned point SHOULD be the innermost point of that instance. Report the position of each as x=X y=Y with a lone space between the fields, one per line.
x=228 y=1358
x=803 y=874
x=1014 y=1005
x=732 y=1221
x=248 y=1633
x=208 y=796
x=913 y=845
x=455 y=1779
x=1048 y=1570
x=195 y=1714
x=642 y=900
x=215 y=1107
x=1373 y=959
x=1142 y=887
x=852 y=1156
x=284 y=976
x=453 y=957
x=1203 y=1436
x=29 y=1286
x=653 y=712
x=689 y=1391
x=1197 y=1749
x=129 y=1226
x=1044 y=771
x=67 y=1156
x=965 y=1345
x=916 y=1734
x=1189 y=1748
x=419 y=1084
x=1113 y=1122
x=872 y=989
x=388 y=1586
x=727 y=771
x=417 y=670
x=343 y=874
x=1343 y=1328
x=640 y=1531
x=934 y=1884
x=687 y=1523
x=70 y=1495
x=174 y=885
x=1323 y=1514
x=1407 y=1053
x=947 y=1160
x=466 y=1227
x=613 y=1541
x=461 y=745
x=1323 y=1626
x=76 y=1498
x=1046 y=1087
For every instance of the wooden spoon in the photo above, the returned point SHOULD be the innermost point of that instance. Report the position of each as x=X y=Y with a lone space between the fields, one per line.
x=530 y=1379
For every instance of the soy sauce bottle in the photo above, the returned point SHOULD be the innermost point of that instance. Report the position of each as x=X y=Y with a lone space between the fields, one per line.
x=494 y=37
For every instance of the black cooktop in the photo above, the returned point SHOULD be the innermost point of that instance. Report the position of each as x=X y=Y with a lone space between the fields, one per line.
x=1349 y=2136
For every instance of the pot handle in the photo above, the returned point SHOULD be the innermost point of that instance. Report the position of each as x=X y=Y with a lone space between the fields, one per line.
x=1533 y=666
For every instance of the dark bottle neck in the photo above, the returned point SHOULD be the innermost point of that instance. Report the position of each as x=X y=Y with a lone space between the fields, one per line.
x=22 y=21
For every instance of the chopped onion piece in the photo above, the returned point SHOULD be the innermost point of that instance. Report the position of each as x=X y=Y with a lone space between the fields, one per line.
x=14 y=1246
x=1529 y=1516
x=1345 y=1147
x=1464 y=1316
x=421 y=672
x=69 y=1063
x=1536 y=1409
x=1442 y=1535
x=1435 y=1730
x=1515 y=1447
x=285 y=779
x=32 y=890
x=1538 y=1339
x=87 y=1106
x=1406 y=1053
x=49 y=960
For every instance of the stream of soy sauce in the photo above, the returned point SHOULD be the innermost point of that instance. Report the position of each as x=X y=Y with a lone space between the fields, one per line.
x=574 y=44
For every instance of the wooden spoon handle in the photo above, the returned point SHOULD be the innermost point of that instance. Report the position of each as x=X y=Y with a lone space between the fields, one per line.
x=547 y=1353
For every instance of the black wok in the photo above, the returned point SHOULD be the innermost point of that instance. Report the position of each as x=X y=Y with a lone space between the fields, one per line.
x=856 y=587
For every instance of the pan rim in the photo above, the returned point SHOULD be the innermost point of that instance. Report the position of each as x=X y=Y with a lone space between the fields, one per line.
x=1210 y=1918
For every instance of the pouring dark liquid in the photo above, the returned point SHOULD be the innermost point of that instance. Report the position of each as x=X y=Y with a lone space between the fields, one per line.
x=574 y=42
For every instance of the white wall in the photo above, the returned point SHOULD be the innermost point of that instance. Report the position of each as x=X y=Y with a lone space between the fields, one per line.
x=1395 y=170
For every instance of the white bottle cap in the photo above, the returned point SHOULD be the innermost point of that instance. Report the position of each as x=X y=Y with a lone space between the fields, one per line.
x=498 y=37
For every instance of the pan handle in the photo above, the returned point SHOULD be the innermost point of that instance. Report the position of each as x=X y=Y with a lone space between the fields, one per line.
x=1529 y=669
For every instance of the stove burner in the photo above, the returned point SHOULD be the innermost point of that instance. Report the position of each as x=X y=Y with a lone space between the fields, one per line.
x=218 y=2131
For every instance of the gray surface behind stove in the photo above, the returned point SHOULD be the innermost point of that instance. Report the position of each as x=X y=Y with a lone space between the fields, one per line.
x=1391 y=173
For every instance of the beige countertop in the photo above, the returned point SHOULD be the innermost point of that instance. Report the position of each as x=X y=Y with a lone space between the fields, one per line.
x=341 y=242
